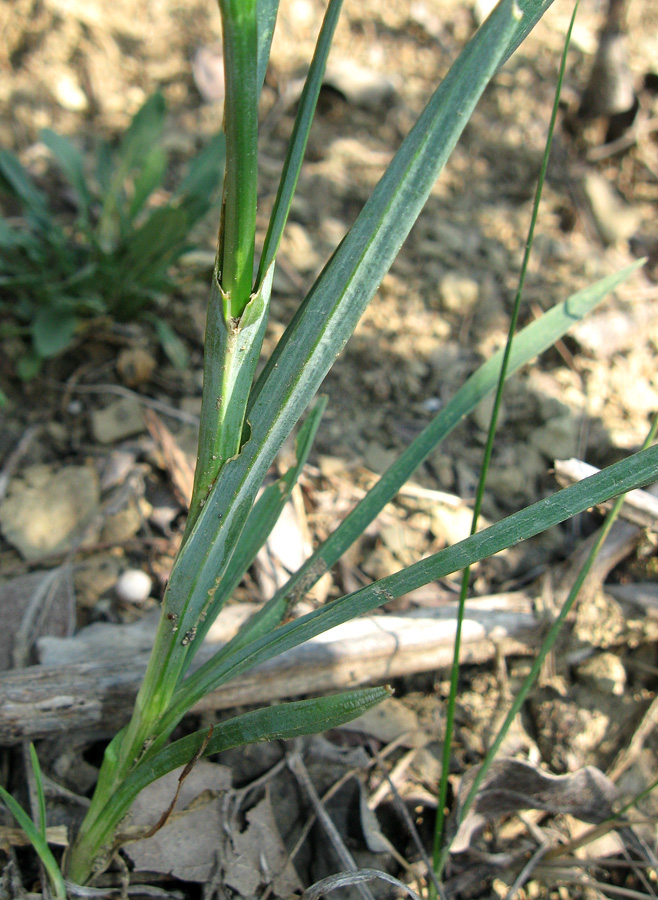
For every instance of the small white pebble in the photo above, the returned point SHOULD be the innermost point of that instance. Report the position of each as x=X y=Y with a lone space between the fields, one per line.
x=134 y=586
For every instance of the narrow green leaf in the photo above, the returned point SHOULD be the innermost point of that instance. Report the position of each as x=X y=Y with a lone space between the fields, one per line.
x=267 y=12
x=104 y=166
x=38 y=842
x=143 y=134
x=155 y=245
x=330 y=313
x=71 y=163
x=262 y=519
x=172 y=345
x=113 y=170
x=52 y=330
x=41 y=798
x=337 y=300
x=236 y=252
x=18 y=182
x=529 y=342
x=149 y=178
x=281 y=722
x=299 y=138
x=637 y=471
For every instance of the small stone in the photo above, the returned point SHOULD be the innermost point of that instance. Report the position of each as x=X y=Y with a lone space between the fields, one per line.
x=135 y=366
x=458 y=293
x=378 y=458
x=119 y=420
x=615 y=220
x=395 y=538
x=299 y=249
x=134 y=586
x=482 y=413
x=452 y=525
x=117 y=467
x=360 y=86
x=507 y=482
x=94 y=577
x=69 y=94
x=122 y=525
x=286 y=542
x=604 y=672
x=558 y=438
x=208 y=73
x=380 y=563
x=47 y=509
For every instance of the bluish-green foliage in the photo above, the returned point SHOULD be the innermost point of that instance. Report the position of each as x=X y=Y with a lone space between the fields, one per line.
x=114 y=255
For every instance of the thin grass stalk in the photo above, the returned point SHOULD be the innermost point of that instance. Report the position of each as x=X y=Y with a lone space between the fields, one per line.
x=546 y=647
x=488 y=451
x=236 y=258
x=38 y=841
x=299 y=139
x=318 y=331
x=235 y=321
x=234 y=332
x=225 y=391
x=636 y=471
x=531 y=341
x=41 y=797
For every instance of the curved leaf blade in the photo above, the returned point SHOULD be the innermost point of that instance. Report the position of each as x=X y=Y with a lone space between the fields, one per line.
x=70 y=161
x=330 y=313
x=637 y=471
x=38 y=842
x=267 y=12
x=528 y=343
x=287 y=720
x=262 y=519
x=299 y=139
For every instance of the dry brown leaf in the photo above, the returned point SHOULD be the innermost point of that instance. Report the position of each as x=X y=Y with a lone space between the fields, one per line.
x=511 y=785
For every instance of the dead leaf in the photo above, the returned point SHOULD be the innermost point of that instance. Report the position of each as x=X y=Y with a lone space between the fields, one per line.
x=177 y=464
x=187 y=847
x=512 y=785
x=196 y=842
x=259 y=856
x=375 y=840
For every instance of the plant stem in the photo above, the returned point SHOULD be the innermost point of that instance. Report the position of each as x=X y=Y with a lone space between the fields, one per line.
x=231 y=349
x=234 y=332
x=231 y=353
x=544 y=650
x=488 y=452
x=236 y=257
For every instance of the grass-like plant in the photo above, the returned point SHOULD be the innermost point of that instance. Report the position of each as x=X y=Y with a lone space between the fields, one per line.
x=244 y=423
x=114 y=257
